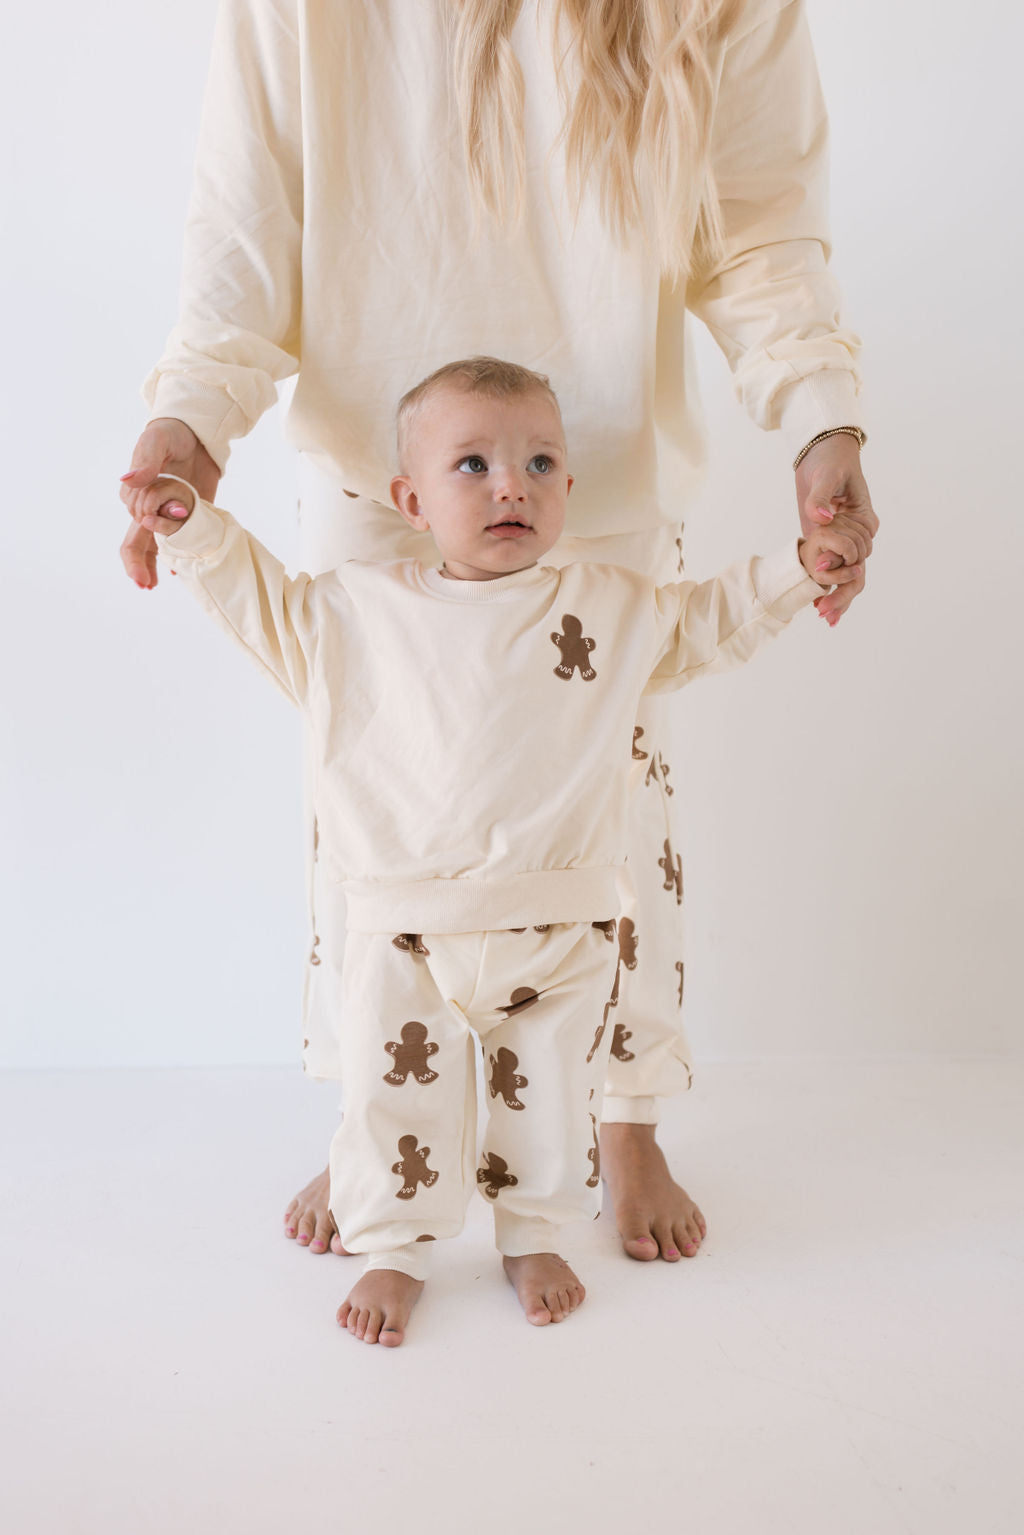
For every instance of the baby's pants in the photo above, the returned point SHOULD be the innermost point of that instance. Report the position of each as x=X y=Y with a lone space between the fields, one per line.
x=650 y=1056
x=404 y=1161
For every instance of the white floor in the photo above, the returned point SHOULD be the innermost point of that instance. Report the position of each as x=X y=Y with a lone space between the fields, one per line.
x=844 y=1358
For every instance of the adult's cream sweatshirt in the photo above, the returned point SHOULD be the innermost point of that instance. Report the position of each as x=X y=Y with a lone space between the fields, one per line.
x=473 y=740
x=331 y=233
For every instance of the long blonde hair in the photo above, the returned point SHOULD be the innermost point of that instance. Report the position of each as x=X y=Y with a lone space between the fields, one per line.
x=638 y=92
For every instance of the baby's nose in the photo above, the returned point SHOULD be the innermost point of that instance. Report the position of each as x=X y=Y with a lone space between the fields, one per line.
x=510 y=486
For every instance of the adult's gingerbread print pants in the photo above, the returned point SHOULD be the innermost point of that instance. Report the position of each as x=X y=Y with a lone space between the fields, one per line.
x=416 y=1007
x=652 y=1058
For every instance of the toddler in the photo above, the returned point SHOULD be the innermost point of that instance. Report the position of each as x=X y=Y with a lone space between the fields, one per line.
x=473 y=741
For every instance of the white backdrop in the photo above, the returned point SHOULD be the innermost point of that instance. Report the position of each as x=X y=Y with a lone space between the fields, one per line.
x=853 y=827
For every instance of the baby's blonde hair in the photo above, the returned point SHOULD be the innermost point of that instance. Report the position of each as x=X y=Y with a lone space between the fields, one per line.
x=491 y=377
x=638 y=88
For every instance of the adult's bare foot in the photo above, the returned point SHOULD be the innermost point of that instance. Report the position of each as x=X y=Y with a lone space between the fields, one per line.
x=547 y=1288
x=308 y=1220
x=656 y=1218
x=379 y=1307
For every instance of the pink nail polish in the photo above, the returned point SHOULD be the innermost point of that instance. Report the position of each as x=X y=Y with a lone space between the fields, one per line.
x=673 y=1252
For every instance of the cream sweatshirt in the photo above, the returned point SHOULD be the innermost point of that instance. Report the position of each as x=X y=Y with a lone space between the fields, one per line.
x=473 y=740
x=331 y=233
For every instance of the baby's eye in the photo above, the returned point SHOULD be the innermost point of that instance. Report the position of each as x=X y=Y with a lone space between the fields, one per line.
x=540 y=464
x=474 y=464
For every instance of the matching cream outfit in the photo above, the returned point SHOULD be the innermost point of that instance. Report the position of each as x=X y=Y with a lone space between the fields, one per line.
x=475 y=749
x=332 y=235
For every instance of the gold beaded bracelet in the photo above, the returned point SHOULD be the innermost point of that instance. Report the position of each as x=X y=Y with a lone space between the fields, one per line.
x=833 y=431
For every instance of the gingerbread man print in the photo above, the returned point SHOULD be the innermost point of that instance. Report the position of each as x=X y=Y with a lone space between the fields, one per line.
x=575 y=648
x=673 y=872
x=613 y=1001
x=413 y=1169
x=504 y=1079
x=619 y=1043
x=494 y=1175
x=410 y=943
x=411 y=1055
x=594 y=1157
x=639 y=755
x=521 y=998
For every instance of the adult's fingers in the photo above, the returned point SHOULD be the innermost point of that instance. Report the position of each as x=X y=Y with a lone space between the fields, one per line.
x=138 y=556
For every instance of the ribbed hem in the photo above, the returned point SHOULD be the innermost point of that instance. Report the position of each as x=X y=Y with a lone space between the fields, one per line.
x=478 y=905
x=629 y=1111
x=412 y=1259
x=515 y=1236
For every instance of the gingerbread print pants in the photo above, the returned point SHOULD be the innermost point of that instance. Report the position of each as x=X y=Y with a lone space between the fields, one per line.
x=416 y=1006
x=652 y=1058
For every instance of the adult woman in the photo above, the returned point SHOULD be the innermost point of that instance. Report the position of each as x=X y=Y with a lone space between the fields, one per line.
x=381 y=188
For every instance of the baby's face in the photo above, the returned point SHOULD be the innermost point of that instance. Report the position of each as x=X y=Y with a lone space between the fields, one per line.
x=488 y=478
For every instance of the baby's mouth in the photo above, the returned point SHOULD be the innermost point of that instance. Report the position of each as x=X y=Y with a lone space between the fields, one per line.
x=509 y=522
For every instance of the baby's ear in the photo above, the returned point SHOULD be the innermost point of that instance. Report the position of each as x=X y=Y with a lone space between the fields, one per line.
x=403 y=494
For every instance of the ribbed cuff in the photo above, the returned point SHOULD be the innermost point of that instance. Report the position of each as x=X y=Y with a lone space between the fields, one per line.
x=515 y=1236
x=413 y=1259
x=199 y=536
x=212 y=415
x=814 y=404
x=629 y=1111
x=782 y=583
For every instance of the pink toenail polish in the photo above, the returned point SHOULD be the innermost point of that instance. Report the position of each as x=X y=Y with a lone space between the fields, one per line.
x=290 y=1230
x=673 y=1252
x=318 y=1245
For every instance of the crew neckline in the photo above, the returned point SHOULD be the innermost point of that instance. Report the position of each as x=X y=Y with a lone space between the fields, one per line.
x=494 y=590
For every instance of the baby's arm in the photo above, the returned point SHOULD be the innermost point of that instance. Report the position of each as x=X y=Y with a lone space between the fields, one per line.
x=237 y=580
x=710 y=626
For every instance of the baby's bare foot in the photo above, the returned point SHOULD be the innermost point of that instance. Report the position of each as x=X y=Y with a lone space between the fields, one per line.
x=548 y=1289
x=379 y=1307
x=308 y=1221
x=655 y=1217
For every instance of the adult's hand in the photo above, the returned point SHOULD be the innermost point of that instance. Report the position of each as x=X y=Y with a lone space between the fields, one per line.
x=167 y=446
x=831 y=492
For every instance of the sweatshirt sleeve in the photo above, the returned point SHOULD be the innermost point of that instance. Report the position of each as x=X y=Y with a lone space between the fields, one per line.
x=713 y=626
x=770 y=302
x=239 y=309
x=246 y=590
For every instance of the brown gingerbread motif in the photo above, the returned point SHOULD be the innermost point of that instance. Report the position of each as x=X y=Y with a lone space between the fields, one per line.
x=494 y=1175
x=658 y=765
x=410 y=943
x=575 y=648
x=628 y=942
x=504 y=1079
x=619 y=1043
x=541 y=927
x=682 y=972
x=679 y=551
x=594 y=1156
x=413 y=1169
x=613 y=1001
x=638 y=755
x=521 y=998
x=607 y=928
x=673 y=869
x=411 y=1055
x=314 y=957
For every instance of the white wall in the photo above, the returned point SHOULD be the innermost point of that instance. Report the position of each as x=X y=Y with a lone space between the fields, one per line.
x=853 y=830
